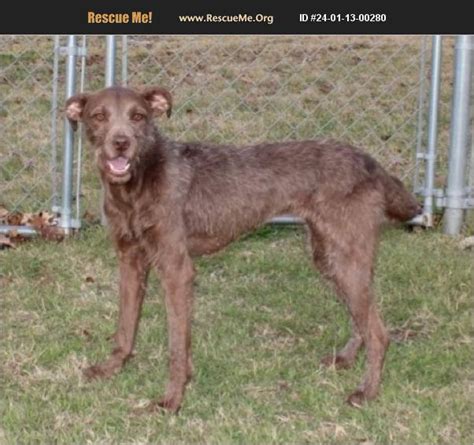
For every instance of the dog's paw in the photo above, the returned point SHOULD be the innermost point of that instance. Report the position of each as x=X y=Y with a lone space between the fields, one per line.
x=170 y=404
x=338 y=361
x=357 y=399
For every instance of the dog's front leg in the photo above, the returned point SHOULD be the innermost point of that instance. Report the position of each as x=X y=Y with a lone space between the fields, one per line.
x=176 y=271
x=133 y=277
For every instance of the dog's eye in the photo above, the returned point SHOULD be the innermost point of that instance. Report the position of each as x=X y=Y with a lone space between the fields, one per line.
x=137 y=117
x=99 y=117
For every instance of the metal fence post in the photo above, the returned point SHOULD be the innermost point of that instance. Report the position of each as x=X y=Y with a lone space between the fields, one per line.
x=420 y=151
x=455 y=193
x=65 y=221
x=470 y=180
x=54 y=132
x=82 y=80
x=430 y=155
x=110 y=62
x=124 y=78
x=109 y=81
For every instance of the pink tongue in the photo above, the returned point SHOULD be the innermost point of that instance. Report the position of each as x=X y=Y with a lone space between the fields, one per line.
x=119 y=163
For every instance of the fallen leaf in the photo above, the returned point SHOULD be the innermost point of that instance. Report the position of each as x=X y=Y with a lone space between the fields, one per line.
x=3 y=214
x=41 y=219
x=49 y=218
x=45 y=223
x=26 y=218
x=51 y=233
x=34 y=221
x=14 y=218
x=6 y=242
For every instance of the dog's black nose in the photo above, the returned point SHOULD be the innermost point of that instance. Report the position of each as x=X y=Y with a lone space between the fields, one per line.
x=121 y=143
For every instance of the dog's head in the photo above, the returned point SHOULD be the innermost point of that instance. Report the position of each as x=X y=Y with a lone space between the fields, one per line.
x=119 y=125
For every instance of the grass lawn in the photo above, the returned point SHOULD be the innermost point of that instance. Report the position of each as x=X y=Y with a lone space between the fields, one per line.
x=263 y=319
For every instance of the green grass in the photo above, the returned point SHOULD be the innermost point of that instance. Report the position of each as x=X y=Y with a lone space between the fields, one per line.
x=263 y=318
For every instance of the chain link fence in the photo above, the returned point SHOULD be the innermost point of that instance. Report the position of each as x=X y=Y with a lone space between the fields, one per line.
x=371 y=91
x=32 y=94
x=246 y=89
x=26 y=83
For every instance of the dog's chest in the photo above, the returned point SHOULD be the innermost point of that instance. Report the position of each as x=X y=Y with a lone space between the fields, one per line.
x=131 y=220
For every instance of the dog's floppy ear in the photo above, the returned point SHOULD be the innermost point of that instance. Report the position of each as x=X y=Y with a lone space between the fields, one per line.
x=74 y=108
x=159 y=100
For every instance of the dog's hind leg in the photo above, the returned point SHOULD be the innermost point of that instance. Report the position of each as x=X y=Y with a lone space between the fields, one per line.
x=348 y=262
x=354 y=279
x=346 y=356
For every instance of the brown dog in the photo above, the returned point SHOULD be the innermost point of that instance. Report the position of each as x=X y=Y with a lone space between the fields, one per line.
x=167 y=202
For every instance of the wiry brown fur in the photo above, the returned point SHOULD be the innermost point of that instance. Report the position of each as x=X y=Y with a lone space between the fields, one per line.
x=181 y=200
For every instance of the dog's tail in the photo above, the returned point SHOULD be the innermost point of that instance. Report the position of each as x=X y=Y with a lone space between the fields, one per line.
x=400 y=204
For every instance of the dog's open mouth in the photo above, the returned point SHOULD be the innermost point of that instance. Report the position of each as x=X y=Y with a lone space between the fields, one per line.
x=119 y=165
